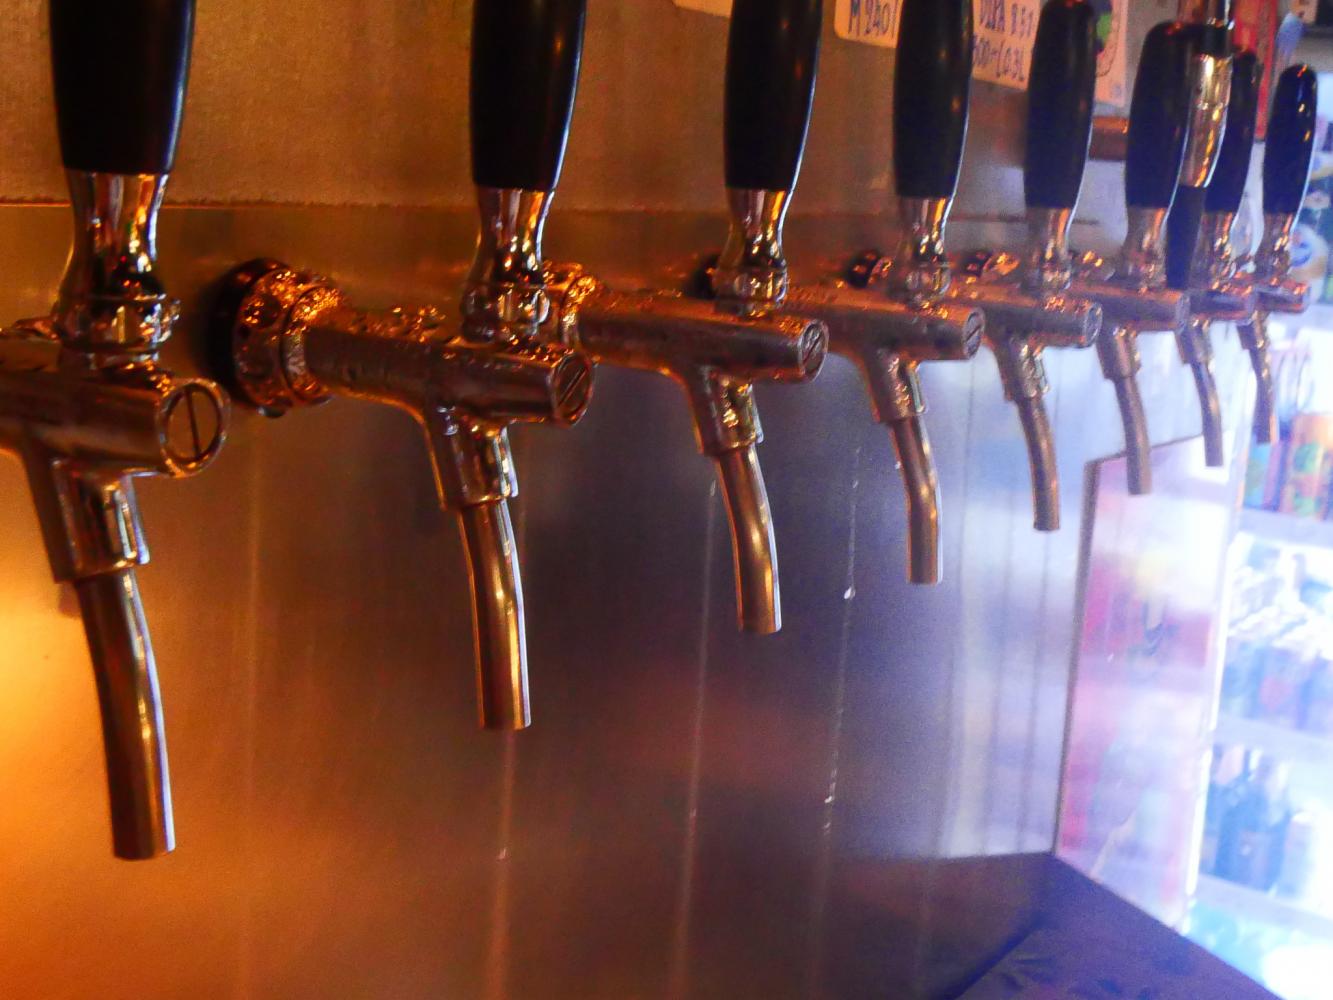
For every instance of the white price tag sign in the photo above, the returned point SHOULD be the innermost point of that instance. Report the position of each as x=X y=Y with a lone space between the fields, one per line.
x=1005 y=31
x=722 y=7
x=874 y=22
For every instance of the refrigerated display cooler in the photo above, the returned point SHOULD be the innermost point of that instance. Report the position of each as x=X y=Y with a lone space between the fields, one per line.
x=1198 y=781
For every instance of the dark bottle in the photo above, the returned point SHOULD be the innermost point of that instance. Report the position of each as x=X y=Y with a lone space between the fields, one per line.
x=1252 y=836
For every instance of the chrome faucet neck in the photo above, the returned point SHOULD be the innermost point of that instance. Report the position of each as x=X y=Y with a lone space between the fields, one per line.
x=1214 y=261
x=504 y=297
x=919 y=272
x=1049 y=264
x=111 y=307
x=1272 y=261
x=751 y=274
x=1143 y=256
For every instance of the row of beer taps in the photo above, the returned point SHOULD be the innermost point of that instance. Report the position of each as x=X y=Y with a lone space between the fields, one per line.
x=86 y=404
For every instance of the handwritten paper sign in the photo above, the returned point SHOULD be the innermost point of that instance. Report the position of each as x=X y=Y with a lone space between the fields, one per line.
x=874 y=22
x=1004 y=30
x=1004 y=34
x=722 y=7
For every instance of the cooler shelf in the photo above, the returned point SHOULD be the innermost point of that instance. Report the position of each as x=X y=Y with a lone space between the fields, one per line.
x=1252 y=904
x=1280 y=741
x=1287 y=528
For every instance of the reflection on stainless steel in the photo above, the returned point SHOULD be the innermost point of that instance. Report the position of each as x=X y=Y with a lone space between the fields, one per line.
x=297 y=342
x=715 y=354
x=1210 y=85
x=86 y=406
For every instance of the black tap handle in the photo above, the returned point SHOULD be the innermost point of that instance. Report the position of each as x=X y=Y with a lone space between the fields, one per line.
x=1061 y=90
x=1159 y=115
x=1233 y=160
x=930 y=94
x=525 y=70
x=119 y=68
x=1290 y=147
x=772 y=61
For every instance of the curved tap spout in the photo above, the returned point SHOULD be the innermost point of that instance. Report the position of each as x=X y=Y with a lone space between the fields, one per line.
x=1118 y=351
x=133 y=733
x=497 y=606
x=1254 y=338
x=1025 y=385
x=1041 y=462
x=911 y=443
x=754 y=551
x=1196 y=351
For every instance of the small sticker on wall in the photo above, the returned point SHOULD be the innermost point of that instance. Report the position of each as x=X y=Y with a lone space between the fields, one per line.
x=721 y=7
x=1112 y=31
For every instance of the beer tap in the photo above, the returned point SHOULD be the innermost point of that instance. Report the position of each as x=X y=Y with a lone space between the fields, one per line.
x=84 y=402
x=717 y=350
x=1213 y=297
x=1036 y=311
x=1133 y=291
x=296 y=340
x=772 y=55
x=1288 y=155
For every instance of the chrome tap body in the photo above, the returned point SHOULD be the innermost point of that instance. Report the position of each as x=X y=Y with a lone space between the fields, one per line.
x=1129 y=309
x=297 y=342
x=84 y=402
x=1028 y=311
x=1275 y=292
x=716 y=355
x=1288 y=156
